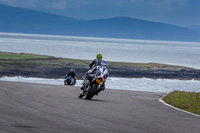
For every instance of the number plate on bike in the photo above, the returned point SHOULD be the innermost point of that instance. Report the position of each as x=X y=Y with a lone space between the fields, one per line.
x=99 y=81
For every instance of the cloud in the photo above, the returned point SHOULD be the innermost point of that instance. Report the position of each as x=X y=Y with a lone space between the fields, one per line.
x=58 y=5
x=20 y=3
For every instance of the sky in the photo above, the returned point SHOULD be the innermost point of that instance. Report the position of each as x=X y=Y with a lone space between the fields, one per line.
x=176 y=12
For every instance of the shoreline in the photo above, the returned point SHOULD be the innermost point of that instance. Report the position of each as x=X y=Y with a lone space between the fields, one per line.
x=80 y=73
x=31 y=65
x=82 y=77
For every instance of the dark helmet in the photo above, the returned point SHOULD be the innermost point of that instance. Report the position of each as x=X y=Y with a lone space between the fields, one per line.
x=72 y=70
x=99 y=56
x=104 y=63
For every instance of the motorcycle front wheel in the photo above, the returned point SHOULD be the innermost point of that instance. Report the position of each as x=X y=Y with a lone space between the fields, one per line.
x=92 y=92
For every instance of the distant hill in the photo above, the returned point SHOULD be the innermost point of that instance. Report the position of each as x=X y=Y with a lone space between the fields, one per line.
x=20 y=20
x=13 y=19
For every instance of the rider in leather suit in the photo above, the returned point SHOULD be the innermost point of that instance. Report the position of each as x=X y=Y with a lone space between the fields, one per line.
x=100 y=70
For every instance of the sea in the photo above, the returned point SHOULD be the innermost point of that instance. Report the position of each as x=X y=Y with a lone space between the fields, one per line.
x=118 y=50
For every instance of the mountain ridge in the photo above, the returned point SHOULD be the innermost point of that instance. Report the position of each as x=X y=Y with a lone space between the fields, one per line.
x=21 y=20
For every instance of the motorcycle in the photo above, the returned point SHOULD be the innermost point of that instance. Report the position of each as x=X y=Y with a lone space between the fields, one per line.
x=70 y=81
x=92 y=88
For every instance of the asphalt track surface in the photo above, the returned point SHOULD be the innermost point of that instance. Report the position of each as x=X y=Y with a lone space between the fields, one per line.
x=40 y=108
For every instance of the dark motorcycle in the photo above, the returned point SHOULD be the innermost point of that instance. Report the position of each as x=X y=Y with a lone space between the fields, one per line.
x=92 y=88
x=70 y=81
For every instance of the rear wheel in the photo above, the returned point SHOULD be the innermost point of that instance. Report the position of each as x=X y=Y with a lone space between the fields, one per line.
x=92 y=92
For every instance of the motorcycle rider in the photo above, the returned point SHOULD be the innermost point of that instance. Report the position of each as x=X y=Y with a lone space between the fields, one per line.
x=71 y=74
x=100 y=70
x=97 y=61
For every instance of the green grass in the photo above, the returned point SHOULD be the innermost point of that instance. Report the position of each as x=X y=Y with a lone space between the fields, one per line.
x=188 y=101
x=22 y=60
x=12 y=56
x=146 y=66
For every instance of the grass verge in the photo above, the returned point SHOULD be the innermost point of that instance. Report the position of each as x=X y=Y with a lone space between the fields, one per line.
x=188 y=101
x=13 y=56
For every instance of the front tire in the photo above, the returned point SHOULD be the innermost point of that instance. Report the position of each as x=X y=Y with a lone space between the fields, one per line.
x=92 y=92
x=68 y=82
